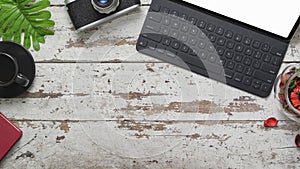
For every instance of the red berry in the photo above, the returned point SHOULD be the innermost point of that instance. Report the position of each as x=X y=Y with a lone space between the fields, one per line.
x=271 y=122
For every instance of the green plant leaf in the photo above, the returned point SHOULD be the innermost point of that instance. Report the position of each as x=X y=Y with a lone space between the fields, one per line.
x=28 y=18
x=42 y=14
x=292 y=84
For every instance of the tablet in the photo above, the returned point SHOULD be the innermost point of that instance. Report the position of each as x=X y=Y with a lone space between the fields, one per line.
x=278 y=17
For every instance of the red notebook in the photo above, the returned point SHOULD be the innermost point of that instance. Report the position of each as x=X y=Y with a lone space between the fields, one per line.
x=9 y=135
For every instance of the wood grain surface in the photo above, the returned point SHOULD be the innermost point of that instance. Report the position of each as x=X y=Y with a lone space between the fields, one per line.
x=97 y=103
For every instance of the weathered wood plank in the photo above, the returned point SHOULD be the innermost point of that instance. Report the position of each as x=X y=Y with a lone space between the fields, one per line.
x=116 y=144
x=86 y=108
x=111 y=42
x=133 y=91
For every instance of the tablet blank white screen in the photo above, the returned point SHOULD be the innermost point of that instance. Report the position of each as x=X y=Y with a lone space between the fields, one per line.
x=275 y=16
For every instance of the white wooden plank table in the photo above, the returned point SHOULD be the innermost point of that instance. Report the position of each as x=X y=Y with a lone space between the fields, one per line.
x=97 y=103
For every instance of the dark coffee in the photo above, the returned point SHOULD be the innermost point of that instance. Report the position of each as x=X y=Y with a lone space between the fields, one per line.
x=7 y=68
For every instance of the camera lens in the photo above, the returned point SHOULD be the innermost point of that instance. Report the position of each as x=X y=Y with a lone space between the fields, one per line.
x=105 y=6
x=103 y=1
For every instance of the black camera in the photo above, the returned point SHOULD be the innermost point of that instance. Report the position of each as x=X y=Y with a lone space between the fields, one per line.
x=86 y=14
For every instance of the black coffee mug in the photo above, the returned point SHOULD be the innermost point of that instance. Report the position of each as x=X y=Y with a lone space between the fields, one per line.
x=17 y=69
x=9 y=71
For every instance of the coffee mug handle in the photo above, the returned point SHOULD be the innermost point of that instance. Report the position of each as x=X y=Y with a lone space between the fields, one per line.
x=22 y=80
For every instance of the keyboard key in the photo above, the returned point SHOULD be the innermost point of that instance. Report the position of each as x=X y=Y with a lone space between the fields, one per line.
x=176 y=24
x=277 y=52
x=191 y=60
x=230 y=65
x=276 y=61
x=171 y=54
x=174 y=34
x=174 y=14
x=193 y=20
x=166 y=21
x=238 y=58
x=220 y=51
x=202 y=35
x=153 y=37
x=247 y=41
x=229 y=74
x=201 y=45
x=269 y=69
x=152 y=46
x=220 y=31
x=239 y=48
x=221 y=41
x=266 y=88
x=203 y=55
x=210 y=68
x=161 y=49
x=229 y=34
x=256 y=44
x=155 y=7
x=247 y=61
x=267 y=58
x=183 y=16
x=213 y=68
x=256 y=64
x=211 y=48
x=238 y=37
x=143 y=42
x=266 y=47
x=230 y=45
x=194 y=52
x=222 y=62
x=184 y=48
x=239 y=68
x=194 y=31
x=263 y=76
x=185 y=28
x=247 y=81
x=166 y=10
x=165 y=31
x=183 y=38
x=201 y=24
x=176 y=45
x=153 y=26
x=211 y=28
x=193 y=41
x=248 y=71
x=248 y=51
x=238 y=77
x=229 y=54
x=212 y=58
x=167 y=41
x=256 y=84
x=155 y=16
x=257 y=55
x=212 y=37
